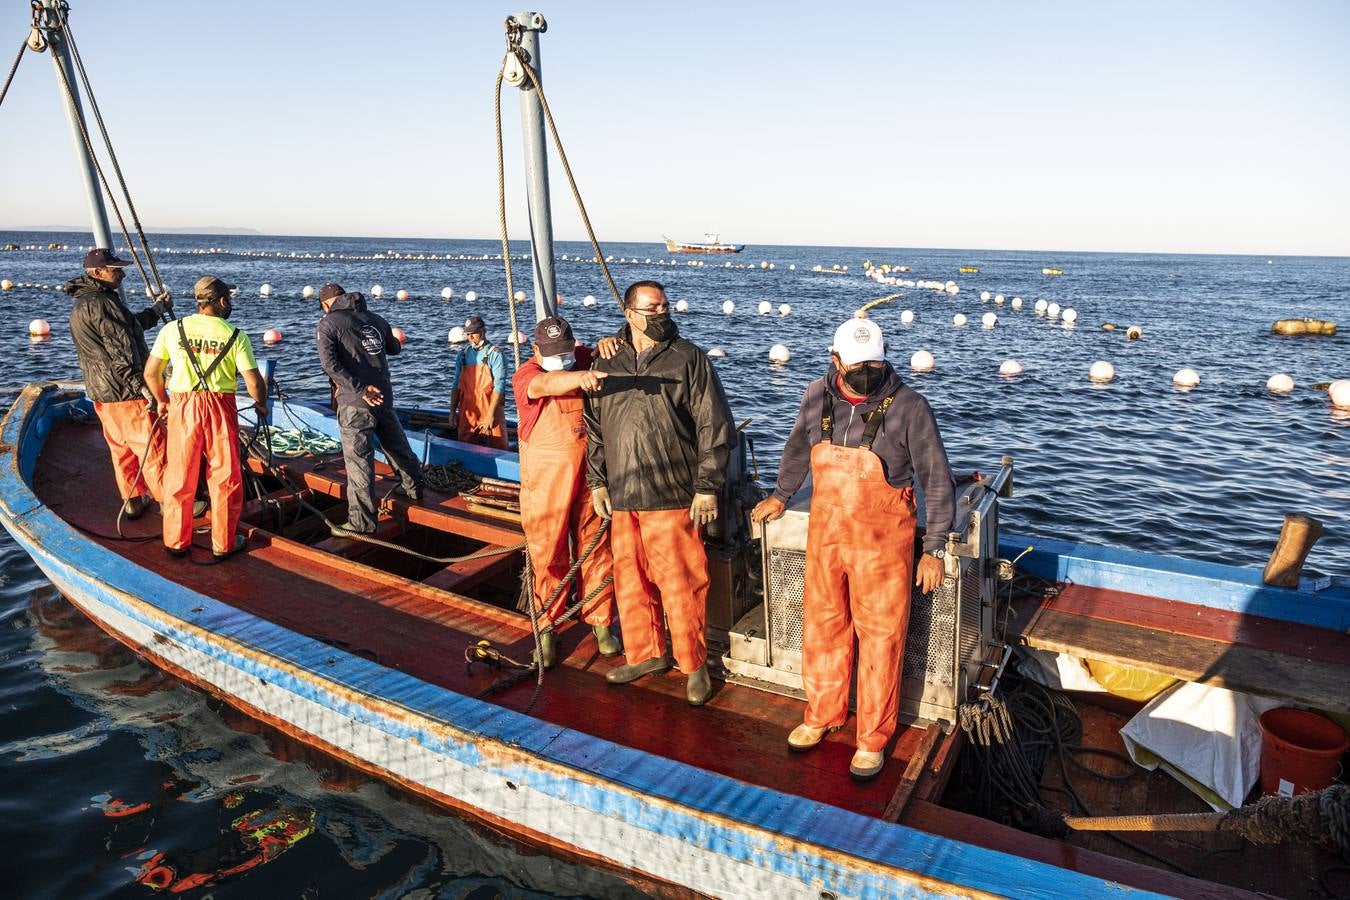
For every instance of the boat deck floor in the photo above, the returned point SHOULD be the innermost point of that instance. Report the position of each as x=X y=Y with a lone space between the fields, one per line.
x=423 y=631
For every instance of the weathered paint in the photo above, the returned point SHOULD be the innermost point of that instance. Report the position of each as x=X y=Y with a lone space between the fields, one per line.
x=1188 y=581
x=589 y=796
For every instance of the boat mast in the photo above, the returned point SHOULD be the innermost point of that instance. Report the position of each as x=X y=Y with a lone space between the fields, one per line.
x=52 y=16
x=531 y=25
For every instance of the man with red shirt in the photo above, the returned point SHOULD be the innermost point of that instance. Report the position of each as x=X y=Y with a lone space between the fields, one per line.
x=555 y=505
x=865 y=436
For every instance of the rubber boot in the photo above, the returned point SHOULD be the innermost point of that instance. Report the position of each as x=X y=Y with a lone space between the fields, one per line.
x=607 y=643
x=698 y=690
x=632 y=672
x=1296 y=540
x=548 y=649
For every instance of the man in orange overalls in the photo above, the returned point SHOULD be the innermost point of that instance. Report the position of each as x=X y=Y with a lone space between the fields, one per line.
x=476 y=387
x=864 y=436
x=556 y=512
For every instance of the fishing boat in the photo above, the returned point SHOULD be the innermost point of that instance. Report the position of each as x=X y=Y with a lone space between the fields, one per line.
x=406 y=656
x=1049 y=271
x=712 y=243
x=968 y=270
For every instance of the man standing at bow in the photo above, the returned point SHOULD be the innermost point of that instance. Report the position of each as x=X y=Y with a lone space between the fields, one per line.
x=658 y=437
x=863 y=435
x=476 y=388
x=110 y=343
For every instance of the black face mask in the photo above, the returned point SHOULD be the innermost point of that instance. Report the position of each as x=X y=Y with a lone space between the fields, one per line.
x=864 y=379
x=659 y=326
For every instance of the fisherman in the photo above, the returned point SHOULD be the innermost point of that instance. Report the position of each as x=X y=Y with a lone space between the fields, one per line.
x=658 y=436
x=476 y=388
x=110 y=343
x=863 y=435
x=555 y=507
x=354 y=349
x=207 y=356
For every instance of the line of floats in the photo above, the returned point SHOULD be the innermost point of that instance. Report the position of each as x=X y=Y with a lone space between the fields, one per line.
x=1100 y=372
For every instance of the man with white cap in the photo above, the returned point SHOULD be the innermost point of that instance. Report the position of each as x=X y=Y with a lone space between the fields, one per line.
x=865 y=437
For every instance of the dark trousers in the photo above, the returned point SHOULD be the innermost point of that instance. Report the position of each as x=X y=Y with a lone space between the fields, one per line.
x=358 y=426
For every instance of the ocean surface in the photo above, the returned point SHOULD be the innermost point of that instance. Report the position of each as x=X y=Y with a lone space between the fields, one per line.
x=88 y=731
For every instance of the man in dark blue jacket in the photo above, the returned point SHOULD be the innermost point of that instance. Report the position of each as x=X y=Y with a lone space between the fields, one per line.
x=354 y=346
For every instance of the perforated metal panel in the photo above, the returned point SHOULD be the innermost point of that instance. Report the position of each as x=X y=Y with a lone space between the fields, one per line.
x=787 y=577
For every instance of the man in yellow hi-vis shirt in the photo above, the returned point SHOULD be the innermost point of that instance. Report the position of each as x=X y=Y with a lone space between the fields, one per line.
x=207 y=355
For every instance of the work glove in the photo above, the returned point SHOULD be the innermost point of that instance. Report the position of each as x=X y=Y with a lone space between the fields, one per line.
x=163 y=305
x=704 y=509
x=600 y=500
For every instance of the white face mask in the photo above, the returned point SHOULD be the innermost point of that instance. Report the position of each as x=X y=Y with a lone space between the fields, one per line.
x=556 y=363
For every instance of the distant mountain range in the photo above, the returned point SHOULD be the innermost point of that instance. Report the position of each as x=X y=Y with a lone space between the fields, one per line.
x=196 y=229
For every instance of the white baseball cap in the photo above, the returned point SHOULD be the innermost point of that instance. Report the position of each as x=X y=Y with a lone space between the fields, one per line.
x=858 y=340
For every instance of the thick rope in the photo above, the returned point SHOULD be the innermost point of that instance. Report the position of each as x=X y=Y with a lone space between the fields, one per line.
x=501 y=218
x=12 y=69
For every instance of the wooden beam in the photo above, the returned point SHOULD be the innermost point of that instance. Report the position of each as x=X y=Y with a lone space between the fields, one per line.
x=912 y=772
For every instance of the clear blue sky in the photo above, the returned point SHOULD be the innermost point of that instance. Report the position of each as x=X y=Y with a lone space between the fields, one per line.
x=1149 y=126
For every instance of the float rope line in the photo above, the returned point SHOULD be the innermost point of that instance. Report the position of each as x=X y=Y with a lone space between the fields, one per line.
x=112 y=157
x=13 y=69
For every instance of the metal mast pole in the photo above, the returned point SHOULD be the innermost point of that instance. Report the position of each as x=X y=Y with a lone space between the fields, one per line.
x=536 y=167
x=98 y=214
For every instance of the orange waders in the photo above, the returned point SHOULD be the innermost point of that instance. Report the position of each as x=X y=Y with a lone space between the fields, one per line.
x=202 y=423
x=859 y=575
x=475 y=396
x=665 y=570
x=128 y=427
x=555 y=506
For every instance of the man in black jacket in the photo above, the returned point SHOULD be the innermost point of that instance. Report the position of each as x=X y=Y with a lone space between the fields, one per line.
x=354 y=346
x=658 y=436
x=110 y=343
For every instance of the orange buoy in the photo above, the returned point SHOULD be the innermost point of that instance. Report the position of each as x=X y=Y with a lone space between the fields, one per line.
x=400 y=334
x=271 y=336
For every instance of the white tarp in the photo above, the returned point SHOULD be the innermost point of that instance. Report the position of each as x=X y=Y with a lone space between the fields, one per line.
x=1206 y=737
x=1056 y=670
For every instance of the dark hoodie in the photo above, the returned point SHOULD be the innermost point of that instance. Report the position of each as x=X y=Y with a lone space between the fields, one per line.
x=109 y=341
x=354 y=346
x=907 y=442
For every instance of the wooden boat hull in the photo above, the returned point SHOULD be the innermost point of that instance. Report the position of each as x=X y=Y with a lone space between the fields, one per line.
x=559 y=788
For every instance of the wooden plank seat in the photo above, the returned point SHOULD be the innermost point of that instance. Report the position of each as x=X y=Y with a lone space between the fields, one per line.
x=1268 y=657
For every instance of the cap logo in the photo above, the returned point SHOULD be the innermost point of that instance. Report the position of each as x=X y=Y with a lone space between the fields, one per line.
x=553 y=331
x=862 y=335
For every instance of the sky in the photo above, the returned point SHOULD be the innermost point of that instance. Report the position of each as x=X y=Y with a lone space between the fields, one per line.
x=1141 y=127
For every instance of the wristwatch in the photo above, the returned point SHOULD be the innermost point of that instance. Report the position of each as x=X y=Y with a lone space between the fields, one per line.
x=936 y=554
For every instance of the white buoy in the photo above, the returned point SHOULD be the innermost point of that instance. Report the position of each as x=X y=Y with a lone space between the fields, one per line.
x=922 y=361
x=1010 y=368
x=1017 y=300
x=376 y=291
x=39 y=328
x=400 y=334
x=952 y=290
x=402 y=294
x=998 y=298
x=1101 y=372
x=519 y=337
x=785 y=309
x=989 y=320
x=457 y=335
x=1070 y=316
x=728 y=307
x=308 y=292
x=271 y=336
x=779 y=353
x=959 y=319
x=1052 y=310
x=265 y=290
x=446 y=293
x=907 y=317
x=1186 y=378
x=1041 y=307
x=588 y=300
x=792 y=267
x=680 y=305
x=471 y=296
x=520 y=296
x=717 y=353
x=765 y=307
x=1017 y=303
x=1280 y=384
x=1133 y=333
x=764 y=264
x=984 y=295
x=1339 y=393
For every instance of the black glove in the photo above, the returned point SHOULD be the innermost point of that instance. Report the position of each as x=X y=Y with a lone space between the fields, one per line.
x=163 y=305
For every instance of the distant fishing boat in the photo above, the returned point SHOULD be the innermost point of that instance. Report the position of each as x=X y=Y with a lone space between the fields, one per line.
x=1049 y=271
x=712 y=244
x=968 y=270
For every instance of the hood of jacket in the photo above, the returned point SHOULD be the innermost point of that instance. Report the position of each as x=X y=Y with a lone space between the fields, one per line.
x=86 y=284
x=352 y=300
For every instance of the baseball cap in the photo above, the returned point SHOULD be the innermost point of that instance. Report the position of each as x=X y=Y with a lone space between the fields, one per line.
x=474 y=325
x=553 y=337
x=858 y=340
x=102 y=257
x=329 y=291
x=209 y=288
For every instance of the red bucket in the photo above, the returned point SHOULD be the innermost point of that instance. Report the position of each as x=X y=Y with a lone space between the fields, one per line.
x=1300 y=751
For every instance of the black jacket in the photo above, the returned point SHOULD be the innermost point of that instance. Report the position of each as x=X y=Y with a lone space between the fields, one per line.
x=354 y=346
x=109 y=341
x=907 y=442
x=658 y=434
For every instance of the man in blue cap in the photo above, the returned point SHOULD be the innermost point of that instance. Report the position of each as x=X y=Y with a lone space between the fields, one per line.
x=110 y=343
